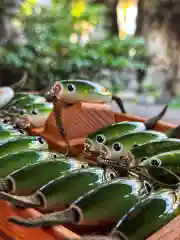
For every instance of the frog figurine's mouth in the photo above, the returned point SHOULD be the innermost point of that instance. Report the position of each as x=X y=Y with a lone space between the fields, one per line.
x=89 y=150
x=55 y=92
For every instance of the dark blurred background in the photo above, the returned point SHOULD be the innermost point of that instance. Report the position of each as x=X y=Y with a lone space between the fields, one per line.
x=130 y=46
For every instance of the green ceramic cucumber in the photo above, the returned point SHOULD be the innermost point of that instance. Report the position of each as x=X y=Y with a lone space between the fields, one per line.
x=21 y=144
x=94 y=141
x=73 y=91
x=13 y=161
x=117 y=147
x=153 y=148
x=30 y=107
x=31 y=177
x=62 y=191
x=148 y=216
x=9 y=134
x=169 y=160
x=107 y=202
x=18 y=96
x=21 y=102
x=35 y=108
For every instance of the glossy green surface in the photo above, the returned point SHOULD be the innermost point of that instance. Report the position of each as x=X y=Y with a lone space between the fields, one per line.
x=72 y=185
x=30 y=107
x=111 y=131
x=168 y=160
x=126 y=142
x=149 y=216
x=21 y=102
x=31 y=177
x=82 y=90
x=8 y=134
x=111 y=200
x=153 y=148
x=14 y=161
x=22 y=143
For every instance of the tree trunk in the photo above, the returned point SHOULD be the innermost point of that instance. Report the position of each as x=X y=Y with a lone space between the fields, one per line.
x=158 y=23
x=111 y=20
x=9 y=33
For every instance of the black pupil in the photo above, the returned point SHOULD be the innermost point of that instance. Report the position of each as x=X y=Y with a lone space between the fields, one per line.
x=22 y=112
x=40 y=140
x=143 y=159
x=100 y=139
x=135 y=145
x=117 y=147
x=155 y=162
x=34 y=112
x=70 y=88
x=112 y=176
x=54 y=156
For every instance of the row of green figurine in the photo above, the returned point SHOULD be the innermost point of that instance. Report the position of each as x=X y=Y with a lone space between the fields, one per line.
x=138 y=203
x=93 y=187
x=148 y=148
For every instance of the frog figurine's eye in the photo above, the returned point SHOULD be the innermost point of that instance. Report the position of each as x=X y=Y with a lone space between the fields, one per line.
x=100 y=139
x=21 y=131
x=34 y=112
x=155 y=162
x=117 y=147
x=22 y=112
x=54 y=156
x=135 y=146
x=110 y=174
x=71 y=88
x=40 y=140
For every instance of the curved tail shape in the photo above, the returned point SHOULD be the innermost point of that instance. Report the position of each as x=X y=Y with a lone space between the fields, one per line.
x=120 y=103
x=174 y=133
x=47 y=220
x=151 y=123
x=21 y=201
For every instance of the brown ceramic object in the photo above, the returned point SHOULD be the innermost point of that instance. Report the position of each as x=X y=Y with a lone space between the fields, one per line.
x=79 y=120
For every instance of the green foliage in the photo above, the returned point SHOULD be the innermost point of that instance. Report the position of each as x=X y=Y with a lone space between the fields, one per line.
x=49 y=55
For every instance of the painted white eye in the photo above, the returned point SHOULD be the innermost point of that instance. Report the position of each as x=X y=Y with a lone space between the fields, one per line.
x=54 y=156
x=41 y=140
x=155 y=162
x=100 y=139
x=110 y=174
x=143 y=159
x=71 y=88
x=22 y=111
x=117 y=147
x=34 y=112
